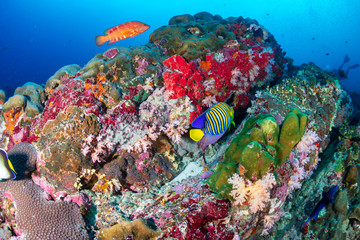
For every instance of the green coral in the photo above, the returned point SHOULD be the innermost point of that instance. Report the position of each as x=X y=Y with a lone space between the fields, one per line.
x=259 y=146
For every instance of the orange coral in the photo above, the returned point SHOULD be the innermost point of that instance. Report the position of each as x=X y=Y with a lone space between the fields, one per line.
x=11 y=118
x=97 y=89
x=205 y=65
x=240 y=30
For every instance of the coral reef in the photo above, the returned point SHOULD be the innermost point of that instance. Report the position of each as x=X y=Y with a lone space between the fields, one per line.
x=103 y=151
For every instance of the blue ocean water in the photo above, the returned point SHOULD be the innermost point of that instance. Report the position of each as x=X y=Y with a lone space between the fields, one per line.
x=40 y=36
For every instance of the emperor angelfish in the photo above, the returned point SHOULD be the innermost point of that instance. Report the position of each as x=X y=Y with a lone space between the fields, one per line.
x=212 y=125
x=7 y=171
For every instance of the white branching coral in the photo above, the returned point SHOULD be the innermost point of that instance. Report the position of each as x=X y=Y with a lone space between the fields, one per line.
x=303 y=148
x=307 y=142
x=171 y=118
x=208 y=101
x=209 y=84
x=257 y=194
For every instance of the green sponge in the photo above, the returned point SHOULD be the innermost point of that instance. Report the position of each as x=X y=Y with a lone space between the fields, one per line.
x=257 y=160
x=260 y=145
x=218 y=181
x=292 y=129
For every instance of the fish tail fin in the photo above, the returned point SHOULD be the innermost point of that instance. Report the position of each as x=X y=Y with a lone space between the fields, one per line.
x=196 y=134
x=302 y=226
x=100 y=40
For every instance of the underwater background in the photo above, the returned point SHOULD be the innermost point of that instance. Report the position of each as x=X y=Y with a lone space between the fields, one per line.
x=39 y=37
x=224 y=120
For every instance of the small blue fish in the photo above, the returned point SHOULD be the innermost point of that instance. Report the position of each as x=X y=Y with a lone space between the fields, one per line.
x=7 y=171
x=328 y=197
x=212 y=125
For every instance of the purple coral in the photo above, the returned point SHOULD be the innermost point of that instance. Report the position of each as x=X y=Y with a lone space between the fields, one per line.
x=142 y=64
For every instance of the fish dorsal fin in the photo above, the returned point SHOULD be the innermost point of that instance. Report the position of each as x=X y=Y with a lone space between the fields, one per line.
x=196 y=134
x=107 y=31
x=199 y=122
x=121 y=26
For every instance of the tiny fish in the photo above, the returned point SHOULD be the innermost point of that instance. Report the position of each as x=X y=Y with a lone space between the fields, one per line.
x=7 y=171
x=211 y=125
x=121 y=31
x=328 y=197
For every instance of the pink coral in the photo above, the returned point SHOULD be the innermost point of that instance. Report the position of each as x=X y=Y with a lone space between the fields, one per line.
x=142 y=64
x=257 y=194
x=111 y=53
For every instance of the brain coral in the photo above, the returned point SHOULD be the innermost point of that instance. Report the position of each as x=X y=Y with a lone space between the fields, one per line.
x=36 y=217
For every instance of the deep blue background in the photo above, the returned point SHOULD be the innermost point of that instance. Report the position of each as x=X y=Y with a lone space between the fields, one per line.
x=40 y=36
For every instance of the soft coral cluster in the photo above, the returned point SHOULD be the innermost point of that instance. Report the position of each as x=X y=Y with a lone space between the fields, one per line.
x=228 y=73
x=171 y=119
x=256 y=194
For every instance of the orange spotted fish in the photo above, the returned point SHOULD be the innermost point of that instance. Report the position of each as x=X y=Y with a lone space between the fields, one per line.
x=121 y=31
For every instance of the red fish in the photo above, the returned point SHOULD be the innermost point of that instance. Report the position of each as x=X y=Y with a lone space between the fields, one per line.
x=121 y=31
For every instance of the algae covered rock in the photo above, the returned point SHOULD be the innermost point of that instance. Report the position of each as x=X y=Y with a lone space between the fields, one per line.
x=15 y=102
x=191 y=37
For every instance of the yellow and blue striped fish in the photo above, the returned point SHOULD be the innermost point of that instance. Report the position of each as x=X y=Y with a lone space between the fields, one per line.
x=214 y=121
x=212 y=124
x=218 y=119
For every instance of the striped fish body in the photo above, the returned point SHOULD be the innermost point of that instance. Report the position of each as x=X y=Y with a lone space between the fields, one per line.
x=121 y=31
x=218 y=119
x=211 y=125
